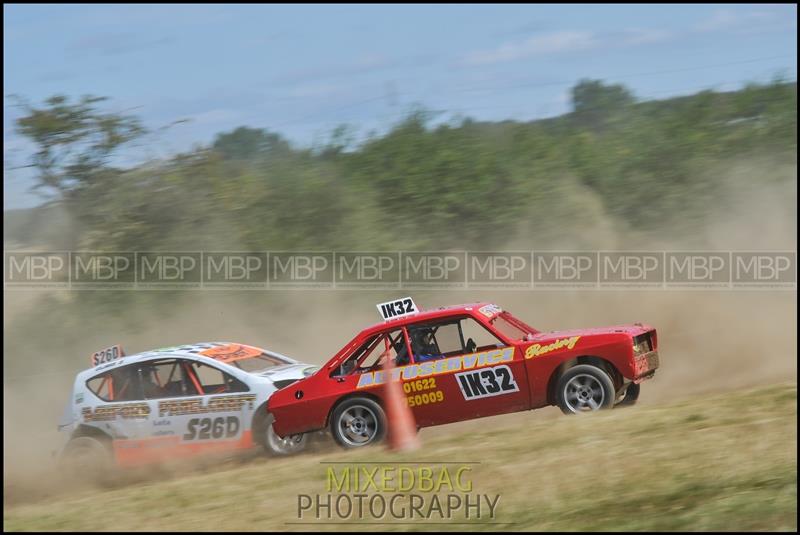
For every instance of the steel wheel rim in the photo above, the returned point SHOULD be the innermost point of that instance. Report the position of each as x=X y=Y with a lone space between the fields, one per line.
x=584 y=393
x=358 y=425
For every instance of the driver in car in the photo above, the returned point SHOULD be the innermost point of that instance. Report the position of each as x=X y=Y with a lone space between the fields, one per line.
x=424 y=346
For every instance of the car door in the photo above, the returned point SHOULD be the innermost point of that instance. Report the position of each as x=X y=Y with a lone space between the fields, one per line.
x=197 y=407
x=462 y=371
x=229 y=410
x=161 y=381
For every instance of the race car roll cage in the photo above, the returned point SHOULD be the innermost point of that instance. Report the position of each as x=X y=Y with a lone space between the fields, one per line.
x=390 y=344
x=185 y=366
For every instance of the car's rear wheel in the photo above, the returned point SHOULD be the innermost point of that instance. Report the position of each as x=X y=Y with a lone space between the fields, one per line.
x=277 y=446
x=87 y=459
x=584 y=388
x=358 y=422
x=631 y=395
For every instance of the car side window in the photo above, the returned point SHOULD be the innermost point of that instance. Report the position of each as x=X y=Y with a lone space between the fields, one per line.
x=215 y=381
x=480 y=337
x=387 y=346
x=167 y=378
x=119 y=384
x=426 y=338
x=432 y=341
x=374 y=353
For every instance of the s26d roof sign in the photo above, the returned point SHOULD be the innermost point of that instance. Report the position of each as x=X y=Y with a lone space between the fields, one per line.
x=397 y=309
x=107 y=355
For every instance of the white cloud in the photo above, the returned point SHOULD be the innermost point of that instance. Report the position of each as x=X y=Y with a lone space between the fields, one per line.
x=644 y=36
x=548 y=43
x=566 y=41
x=727 y=19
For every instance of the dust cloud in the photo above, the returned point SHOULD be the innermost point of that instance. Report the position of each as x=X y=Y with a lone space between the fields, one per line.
x=710 y=340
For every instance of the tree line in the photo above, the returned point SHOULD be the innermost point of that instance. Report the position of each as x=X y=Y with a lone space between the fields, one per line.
x=643 y=165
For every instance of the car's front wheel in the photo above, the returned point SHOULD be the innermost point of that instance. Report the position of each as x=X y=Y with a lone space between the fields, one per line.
x=358 y=422
x=277 y=446
x=584 y=388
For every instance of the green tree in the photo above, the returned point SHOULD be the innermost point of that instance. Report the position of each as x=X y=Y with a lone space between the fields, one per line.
x=75 y=141
x=593 y=102
x=246 y=143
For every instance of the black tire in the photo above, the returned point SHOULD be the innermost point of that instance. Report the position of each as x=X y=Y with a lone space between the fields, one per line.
x=631 y=395
x=585 y=388
x=87 y=460
x=277 y=446
x=357 y=422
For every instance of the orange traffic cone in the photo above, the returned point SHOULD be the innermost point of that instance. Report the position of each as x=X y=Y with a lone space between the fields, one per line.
x=402 y=426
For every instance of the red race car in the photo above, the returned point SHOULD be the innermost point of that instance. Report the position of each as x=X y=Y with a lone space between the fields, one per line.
x=463 y=362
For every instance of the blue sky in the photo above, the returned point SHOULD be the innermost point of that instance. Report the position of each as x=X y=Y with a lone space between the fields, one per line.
x=303 y=69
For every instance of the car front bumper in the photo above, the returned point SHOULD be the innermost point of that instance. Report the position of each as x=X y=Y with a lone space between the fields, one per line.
x=645 y=366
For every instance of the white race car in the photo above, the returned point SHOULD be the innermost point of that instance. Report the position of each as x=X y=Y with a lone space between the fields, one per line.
x=176 y=402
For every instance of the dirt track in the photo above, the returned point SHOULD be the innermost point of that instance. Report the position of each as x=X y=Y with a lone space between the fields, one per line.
x=711 y=341
x=712 y=462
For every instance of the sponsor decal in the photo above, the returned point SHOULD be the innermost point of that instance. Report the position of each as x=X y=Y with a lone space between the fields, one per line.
x=111 y=364
x=126 y=411
x=490 y=311
x=538 y=349
x=231 y=352
x=422 y=392
x=437 y=367
x=486 y=383
x=178 y=407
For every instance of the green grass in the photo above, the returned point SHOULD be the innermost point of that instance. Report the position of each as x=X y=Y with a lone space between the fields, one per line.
x=717 y=462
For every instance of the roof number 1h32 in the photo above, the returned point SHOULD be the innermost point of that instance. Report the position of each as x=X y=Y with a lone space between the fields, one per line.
x=397 y=309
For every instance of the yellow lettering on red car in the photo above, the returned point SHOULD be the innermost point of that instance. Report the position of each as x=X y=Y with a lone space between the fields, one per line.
x=538 y=349
x=443 y=366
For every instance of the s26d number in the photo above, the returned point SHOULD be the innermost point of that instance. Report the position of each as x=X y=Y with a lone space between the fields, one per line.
x=212 y=428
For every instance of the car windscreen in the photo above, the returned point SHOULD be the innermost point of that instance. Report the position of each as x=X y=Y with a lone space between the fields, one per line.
x=511 y=327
